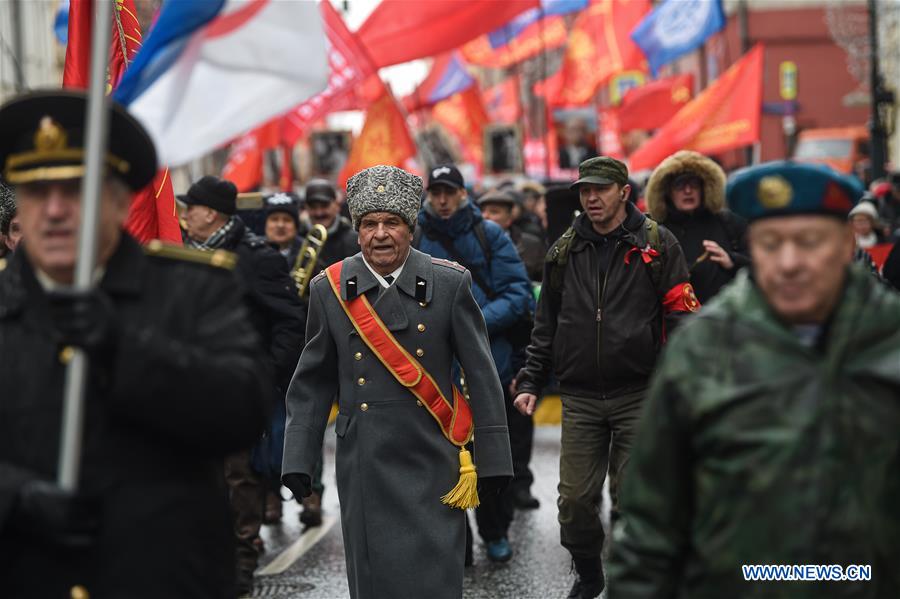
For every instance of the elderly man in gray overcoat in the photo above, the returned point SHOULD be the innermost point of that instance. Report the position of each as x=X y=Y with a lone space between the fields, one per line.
x=384 y=330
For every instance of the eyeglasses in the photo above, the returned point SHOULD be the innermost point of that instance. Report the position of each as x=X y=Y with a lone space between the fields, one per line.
x=685 y=183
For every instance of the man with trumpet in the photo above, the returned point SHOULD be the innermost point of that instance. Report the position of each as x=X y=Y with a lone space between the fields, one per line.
x=310 y=247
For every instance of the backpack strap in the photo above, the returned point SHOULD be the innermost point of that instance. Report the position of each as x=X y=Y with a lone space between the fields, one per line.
x=481 y=236
x=558 y=257
x=655 y=244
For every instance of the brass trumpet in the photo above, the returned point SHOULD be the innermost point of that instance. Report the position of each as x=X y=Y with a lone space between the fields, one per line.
x=307 y=258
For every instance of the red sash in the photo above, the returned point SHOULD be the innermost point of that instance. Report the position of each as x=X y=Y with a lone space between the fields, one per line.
x=455 y=419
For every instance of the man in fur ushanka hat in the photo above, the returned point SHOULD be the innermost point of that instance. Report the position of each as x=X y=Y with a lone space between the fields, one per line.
x=384 y=329
x=686 y=193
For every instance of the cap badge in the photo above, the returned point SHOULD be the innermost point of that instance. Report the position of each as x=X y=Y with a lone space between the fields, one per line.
x=380 y=189
x=280 y=198
x=49 y=136
x=774 y=192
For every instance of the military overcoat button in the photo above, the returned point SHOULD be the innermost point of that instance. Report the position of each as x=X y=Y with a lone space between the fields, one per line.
x=78 y=592
x=357 y=356
x=421 y=327
x=420 y=352
x=423 y=304
x=361 y=381
x=364 y=407
x=419 y=402
x=66 y=354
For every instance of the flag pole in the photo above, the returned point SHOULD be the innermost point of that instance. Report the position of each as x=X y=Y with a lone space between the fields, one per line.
x=97 y=124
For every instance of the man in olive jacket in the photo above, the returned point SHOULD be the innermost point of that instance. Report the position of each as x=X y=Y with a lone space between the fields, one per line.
x=393 y=462
x=770 y=435
x=614 y=286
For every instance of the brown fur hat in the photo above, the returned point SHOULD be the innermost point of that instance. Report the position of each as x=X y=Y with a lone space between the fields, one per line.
x=679 y=163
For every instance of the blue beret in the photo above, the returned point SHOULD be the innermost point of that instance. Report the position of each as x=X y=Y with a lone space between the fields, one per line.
x=785 y=188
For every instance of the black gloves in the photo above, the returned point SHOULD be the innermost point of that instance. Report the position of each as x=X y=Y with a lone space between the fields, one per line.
x=492 y=485
x=85 y=319
x=58 y=516
x=299 y=484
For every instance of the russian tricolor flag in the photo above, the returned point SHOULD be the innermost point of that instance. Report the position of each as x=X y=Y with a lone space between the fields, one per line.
x=213 y=69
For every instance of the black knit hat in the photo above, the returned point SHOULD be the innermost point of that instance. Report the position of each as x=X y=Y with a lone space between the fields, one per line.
x=285 y=202
x=218 y=194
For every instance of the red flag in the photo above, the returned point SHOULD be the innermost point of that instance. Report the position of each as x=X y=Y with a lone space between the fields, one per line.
x=286 y=178
x=502 y=101
x=384 y=139
x=551 y=86
x=608 y=130
x=77 y=68
x=152 y=213
x=725 y=116
x=403 y=30
x=245 y=161
x=545 y=34
x=651 y=106
x=599 y=47
x=463 y=114
x=350 y=69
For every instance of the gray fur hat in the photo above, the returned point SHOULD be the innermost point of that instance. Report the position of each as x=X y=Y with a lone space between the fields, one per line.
x=384 y=189
x=7 y=207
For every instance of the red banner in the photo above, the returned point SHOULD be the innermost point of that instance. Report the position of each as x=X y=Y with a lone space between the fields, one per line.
x=245 y=161
x=152 y=213
x=350 y=69
x=608 y=130
x=650 y=106
x=725 y=116
x=404 y=30
x=384 y=139
x=879 y=253
x=463 y=114
x=502 y=101
x=599 y=47
x=546 y=34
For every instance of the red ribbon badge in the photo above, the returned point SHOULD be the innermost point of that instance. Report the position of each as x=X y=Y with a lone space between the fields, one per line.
x=647 y=254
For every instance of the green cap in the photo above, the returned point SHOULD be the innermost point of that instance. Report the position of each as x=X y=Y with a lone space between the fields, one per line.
x=601 y=170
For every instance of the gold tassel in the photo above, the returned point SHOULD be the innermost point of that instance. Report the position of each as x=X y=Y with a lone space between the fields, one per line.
x=465 y=494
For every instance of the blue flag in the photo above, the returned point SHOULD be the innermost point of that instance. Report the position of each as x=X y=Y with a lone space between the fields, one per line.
x=676 y=27
x=503 y=35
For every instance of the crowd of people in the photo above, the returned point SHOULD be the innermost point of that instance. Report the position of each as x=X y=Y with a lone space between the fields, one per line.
x=722 y=360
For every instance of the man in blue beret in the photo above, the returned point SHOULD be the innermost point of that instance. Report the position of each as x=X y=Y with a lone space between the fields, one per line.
x=769 y=445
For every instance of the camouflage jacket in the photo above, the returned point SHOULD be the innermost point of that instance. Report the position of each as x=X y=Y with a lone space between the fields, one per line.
x=755 y=449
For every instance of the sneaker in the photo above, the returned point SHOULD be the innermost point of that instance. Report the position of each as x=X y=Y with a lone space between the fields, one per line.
x=499 y=550
x=524 y=500
x=312 y=510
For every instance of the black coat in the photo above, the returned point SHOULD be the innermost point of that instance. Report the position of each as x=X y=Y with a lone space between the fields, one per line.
x=276 y=311
x=182 y=390
x=725 y=228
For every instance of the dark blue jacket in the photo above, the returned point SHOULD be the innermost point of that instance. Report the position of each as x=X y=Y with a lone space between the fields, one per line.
x=506 y=274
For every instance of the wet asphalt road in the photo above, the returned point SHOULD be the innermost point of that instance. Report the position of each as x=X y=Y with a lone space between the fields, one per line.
x=539 y=568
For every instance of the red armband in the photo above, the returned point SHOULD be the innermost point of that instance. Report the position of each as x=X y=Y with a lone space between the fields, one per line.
x=681 y=298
